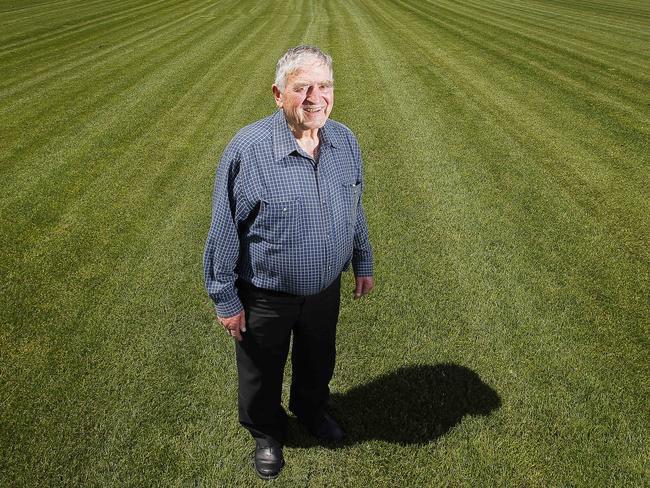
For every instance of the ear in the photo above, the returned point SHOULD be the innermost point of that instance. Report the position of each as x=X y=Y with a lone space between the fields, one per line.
x=278 y=95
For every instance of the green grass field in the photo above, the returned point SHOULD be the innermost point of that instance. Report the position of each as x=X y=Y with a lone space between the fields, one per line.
x=506 y=146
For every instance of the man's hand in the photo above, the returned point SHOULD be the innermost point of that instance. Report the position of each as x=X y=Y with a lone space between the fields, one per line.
x=364 y=284
x=234 y=325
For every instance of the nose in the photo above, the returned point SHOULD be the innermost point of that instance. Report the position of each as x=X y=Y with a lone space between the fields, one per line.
x=313 y=92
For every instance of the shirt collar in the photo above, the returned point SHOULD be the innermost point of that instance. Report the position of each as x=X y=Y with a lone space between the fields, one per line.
x=284 y=143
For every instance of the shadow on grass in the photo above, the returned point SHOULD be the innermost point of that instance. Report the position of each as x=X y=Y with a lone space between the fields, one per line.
x=412 y=405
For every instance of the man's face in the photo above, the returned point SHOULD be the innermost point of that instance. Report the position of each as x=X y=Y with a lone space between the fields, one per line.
x=308 y=97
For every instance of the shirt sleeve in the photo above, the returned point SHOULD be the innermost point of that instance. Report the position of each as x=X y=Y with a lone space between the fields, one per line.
x=362 y=259
x=222 y=246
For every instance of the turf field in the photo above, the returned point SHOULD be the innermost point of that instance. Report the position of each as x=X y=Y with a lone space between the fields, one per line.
x=506 y=148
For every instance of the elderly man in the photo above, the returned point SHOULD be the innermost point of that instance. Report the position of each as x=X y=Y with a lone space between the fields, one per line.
x=286 y=221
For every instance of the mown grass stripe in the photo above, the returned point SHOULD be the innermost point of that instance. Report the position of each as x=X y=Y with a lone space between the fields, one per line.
x=465 y=24
x=555 y=133
x=65 y=66
x=116 y=12
x=153 y=42
x=9 y=8
x=83 y=66
x=53 y=28
x=569 y=17
x=604 y=13
x=543 y=107
x=23 y=25
x=571 y=33
x=152 y=55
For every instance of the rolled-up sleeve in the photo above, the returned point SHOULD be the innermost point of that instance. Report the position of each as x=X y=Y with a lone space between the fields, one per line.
x=222 y=246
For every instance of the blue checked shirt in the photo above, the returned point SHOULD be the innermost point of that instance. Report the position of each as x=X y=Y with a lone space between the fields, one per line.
x=281 y=220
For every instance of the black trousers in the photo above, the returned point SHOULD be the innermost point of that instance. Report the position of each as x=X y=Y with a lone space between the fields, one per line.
x=271 y=319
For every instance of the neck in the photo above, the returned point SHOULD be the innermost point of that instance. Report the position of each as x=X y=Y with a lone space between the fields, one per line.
x=308 y=140
x=305 y=135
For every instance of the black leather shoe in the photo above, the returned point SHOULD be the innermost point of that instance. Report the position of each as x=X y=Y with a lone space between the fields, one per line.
x=268 y=461
x=328 y=429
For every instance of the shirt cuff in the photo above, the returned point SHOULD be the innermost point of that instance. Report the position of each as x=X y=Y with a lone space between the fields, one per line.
x=229 y=308
x=362 y=269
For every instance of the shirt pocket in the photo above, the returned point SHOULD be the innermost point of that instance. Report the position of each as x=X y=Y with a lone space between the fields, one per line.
x=280 y=222
x=352 y=194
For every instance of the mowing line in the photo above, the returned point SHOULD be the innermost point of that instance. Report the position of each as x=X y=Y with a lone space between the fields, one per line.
x=579 y=44
x=61 y=67
x=42 y=111
x=81 y=26
x=22 y=23
x=500 y=107
x=584 y=84
x=598 y=16
x=89 y=134
x=17 y=58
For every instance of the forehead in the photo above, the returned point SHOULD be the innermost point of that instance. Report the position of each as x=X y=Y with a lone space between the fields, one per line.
x=311 y=71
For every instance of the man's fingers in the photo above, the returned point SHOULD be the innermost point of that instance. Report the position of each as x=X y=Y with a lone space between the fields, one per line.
x=357 y=291
x=238 y=327
x=367 y=287
x=363 y=287
x=236 y=334
x=234 y=325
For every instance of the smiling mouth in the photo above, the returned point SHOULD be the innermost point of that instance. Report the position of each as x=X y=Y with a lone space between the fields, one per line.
x=312 y=109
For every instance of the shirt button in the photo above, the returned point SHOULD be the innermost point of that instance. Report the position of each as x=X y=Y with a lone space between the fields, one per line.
x=329 y=267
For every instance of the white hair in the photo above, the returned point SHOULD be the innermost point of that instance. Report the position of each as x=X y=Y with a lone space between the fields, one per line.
x=297 y=57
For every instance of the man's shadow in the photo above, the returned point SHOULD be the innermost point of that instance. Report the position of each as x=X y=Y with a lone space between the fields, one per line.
x=411 y=405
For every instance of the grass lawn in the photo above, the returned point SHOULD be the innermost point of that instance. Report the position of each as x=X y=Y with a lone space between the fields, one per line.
x=506 y=146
